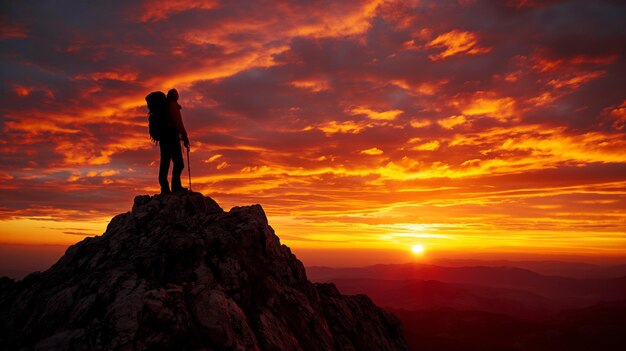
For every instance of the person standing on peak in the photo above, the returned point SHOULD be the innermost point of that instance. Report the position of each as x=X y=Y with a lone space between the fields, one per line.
x=170 y=145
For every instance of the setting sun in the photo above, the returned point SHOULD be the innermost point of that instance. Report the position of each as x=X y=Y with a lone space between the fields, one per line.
x=418 y=249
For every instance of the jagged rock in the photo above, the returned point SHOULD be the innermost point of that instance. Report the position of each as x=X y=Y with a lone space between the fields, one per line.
x=179 y=273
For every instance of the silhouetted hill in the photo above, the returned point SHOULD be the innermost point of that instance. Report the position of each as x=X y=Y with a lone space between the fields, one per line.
x=503 y=308
x=545 y=267
x=179 y=273
x=574 y=291
x=432 y=294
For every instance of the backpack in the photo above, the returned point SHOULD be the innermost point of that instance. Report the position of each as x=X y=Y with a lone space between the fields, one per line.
x=157 y=115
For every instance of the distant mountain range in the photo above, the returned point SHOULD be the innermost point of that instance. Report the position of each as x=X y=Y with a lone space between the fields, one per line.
x=499 y=307
x=570 y=269
x=432 y=294
x=569 y=291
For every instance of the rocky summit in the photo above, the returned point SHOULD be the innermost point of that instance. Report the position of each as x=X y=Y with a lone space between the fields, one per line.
x=179 y=273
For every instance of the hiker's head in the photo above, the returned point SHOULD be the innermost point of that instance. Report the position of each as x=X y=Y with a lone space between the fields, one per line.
x=172 y=94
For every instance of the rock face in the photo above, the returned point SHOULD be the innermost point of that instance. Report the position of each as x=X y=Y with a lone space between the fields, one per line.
x=179 y=273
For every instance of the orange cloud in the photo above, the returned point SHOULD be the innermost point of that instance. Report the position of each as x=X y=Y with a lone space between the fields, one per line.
x=373 y=151
x=542 y=99
x=36 y=127
x=562 y=75
x=312 y=85
x=376 y=115
x=162 y=9
x=557 y=145
x=576 y=80
x=419 y=123
x=333 y=127
x=425 y=88
x=548 y=146
x=120 y=76
x=222 y=165
x=22 y=90
x=452 y=121
x=617 y=116
x=338 y=19
x=429 y=146
x=486 y=104
x=542 y=62
x=456 y=42
x=212 y=158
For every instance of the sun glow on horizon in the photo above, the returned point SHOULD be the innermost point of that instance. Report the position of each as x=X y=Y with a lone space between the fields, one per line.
x=418 y=249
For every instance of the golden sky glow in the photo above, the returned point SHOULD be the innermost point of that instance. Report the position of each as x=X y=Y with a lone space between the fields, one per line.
x=461 y=126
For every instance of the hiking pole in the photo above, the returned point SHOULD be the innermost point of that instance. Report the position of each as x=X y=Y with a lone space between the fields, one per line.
x=188 y=169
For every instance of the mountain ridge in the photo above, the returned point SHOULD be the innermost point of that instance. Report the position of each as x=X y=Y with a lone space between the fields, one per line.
x=178 y=272
x=567 y=289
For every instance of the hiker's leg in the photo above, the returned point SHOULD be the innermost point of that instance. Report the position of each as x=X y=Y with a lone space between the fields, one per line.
x=164 y=166
x=179 y=165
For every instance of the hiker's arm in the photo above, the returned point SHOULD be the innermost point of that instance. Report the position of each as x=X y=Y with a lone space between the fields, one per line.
x=177 y=119
x=184 y=136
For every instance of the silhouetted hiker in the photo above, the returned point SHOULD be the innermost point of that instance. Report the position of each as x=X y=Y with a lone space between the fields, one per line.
x=166 y=127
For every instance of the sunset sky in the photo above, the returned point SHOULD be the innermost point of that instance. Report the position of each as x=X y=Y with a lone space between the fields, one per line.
x=463 y=126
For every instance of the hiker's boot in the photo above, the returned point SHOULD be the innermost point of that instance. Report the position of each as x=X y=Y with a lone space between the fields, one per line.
x=179 y=189
x=165 y=191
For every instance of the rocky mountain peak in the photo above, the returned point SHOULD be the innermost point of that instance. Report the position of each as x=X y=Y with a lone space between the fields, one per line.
x=178 y=272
